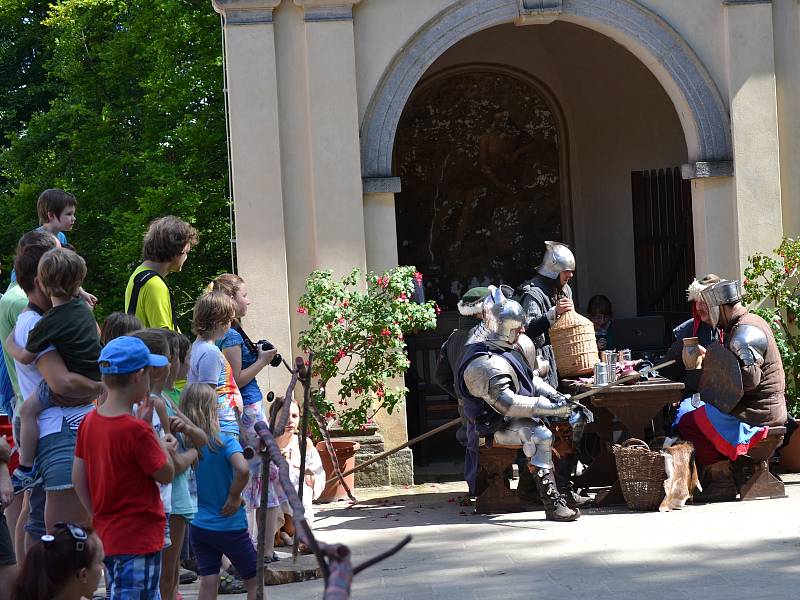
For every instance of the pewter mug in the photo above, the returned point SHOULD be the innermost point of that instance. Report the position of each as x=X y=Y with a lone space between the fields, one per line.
x=610 y=358
x=600 y=374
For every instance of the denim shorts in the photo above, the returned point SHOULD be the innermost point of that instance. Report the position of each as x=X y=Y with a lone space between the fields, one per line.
x=35 y=525
x=209 y=546
x=133 y=576
x=55 y=456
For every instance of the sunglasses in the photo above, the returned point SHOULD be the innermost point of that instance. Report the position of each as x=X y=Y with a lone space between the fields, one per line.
x=78 y=535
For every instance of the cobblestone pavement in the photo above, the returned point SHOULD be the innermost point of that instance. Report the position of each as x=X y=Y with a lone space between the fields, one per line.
x=730 y=551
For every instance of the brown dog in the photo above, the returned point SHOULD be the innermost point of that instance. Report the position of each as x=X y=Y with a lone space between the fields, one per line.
x=682 y=478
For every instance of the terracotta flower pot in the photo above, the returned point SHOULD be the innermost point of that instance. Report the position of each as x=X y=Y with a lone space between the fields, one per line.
x=346 y=455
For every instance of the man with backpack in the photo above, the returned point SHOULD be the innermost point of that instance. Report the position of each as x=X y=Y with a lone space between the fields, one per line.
x=164 y=250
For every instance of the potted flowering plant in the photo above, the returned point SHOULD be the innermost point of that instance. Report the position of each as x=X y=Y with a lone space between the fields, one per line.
x=356 y=331
x=772 y=290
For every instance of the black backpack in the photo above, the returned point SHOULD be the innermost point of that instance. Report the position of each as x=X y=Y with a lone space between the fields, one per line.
x=138 y=282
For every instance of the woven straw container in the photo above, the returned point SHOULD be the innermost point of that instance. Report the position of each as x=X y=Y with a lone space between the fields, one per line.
x=574 y=344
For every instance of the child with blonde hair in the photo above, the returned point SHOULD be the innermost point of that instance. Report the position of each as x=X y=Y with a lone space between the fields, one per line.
x=220 y=525
x=247 y=360
x=213 y=314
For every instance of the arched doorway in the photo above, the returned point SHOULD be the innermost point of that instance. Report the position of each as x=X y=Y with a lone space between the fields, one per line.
x=481 y=155
x=662 y=112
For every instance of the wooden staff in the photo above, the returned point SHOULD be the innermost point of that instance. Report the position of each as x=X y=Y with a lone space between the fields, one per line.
x=305 y=381
x=262 y=514
x=457 y=421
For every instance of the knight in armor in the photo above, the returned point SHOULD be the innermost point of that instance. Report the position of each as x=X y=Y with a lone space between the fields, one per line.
x=698 y=326
x=742 y=385
x=505 y=400
x=470 y=310
x=545 y=297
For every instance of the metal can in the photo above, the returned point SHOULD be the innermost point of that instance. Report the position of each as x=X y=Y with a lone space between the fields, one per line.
x=610 y=358
x=624 y=355
x=600 y=374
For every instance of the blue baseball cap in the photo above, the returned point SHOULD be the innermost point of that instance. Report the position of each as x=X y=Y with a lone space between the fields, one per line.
x=127 y=354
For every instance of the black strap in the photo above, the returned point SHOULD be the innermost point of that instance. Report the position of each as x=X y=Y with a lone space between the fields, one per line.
x=138 y=283
x=35 y=308
x=247 y=342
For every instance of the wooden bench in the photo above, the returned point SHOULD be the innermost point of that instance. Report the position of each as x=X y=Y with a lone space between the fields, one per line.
x=494 y=493
x=762 y=483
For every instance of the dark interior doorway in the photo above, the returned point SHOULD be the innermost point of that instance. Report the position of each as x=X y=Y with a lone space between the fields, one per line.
x=664 y=243
x=478 y=153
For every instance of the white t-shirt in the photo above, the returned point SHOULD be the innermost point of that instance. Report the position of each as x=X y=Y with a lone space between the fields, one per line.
x=165 y=489
x=50 y=419
x=28 y=375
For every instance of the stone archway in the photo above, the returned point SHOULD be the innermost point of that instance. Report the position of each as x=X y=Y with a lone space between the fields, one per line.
x=700 y=106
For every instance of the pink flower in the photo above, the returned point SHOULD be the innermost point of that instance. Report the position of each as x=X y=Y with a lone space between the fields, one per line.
x=418 y=277
x=341 y=354
x=436 y=308
x=342 y=321
x=380 y=393
x=345 y=303
x=386 y=332
x=302 y=310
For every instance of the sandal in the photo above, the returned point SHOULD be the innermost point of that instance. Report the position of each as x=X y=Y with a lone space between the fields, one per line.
x=228 y=584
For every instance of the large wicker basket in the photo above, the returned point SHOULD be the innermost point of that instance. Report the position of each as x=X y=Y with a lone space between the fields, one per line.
x=641 y=474
x=574 y=344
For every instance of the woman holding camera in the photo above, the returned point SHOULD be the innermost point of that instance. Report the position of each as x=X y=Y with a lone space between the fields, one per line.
x=247 y=359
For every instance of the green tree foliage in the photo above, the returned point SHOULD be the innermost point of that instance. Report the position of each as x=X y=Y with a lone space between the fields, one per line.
x=24 y=88
x=772 y=290
x=135 y=129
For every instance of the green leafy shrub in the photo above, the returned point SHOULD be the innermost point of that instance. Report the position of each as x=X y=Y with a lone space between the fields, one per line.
x=772 y=290
x=356 y=329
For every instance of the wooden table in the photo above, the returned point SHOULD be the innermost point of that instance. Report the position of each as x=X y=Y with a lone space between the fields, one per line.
x=634 y=408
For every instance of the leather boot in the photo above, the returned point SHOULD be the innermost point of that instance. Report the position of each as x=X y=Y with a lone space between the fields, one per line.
x=555 y=506
x=527 y=491
x=564 y=468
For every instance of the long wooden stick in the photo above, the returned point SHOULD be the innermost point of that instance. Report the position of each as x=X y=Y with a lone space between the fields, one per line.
x=306 y=382
x=383 y=455
x=457 y=421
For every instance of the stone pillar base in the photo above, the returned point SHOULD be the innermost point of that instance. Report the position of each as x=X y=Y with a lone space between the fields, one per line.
x=397 y=469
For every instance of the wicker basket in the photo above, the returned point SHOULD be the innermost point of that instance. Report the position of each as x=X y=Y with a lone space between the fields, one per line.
x=641 y=474
x=574 y=344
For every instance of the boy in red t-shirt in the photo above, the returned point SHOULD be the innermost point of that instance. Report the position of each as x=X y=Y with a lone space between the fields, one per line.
x=118 y=460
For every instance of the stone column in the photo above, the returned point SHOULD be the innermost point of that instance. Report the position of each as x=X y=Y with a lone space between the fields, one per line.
x=256 y=165
x=338 y=203
x=336 y=195
x=381 y=245
x=716 y=247
x=786 y=21
x=754 y=126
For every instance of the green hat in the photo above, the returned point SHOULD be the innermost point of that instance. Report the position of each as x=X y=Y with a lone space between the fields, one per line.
x=471 y=303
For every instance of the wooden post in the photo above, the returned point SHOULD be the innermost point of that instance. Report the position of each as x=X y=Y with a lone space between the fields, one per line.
x=262 y=527
x=306 y=381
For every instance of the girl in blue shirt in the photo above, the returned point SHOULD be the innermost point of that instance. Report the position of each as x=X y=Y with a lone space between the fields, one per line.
x=220 y=525
x=247 y=360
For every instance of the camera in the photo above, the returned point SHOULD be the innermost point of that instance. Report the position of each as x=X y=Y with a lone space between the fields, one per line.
x=267 y=345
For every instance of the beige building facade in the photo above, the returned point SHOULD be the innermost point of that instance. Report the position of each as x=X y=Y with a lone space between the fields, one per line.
x=318 y=90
